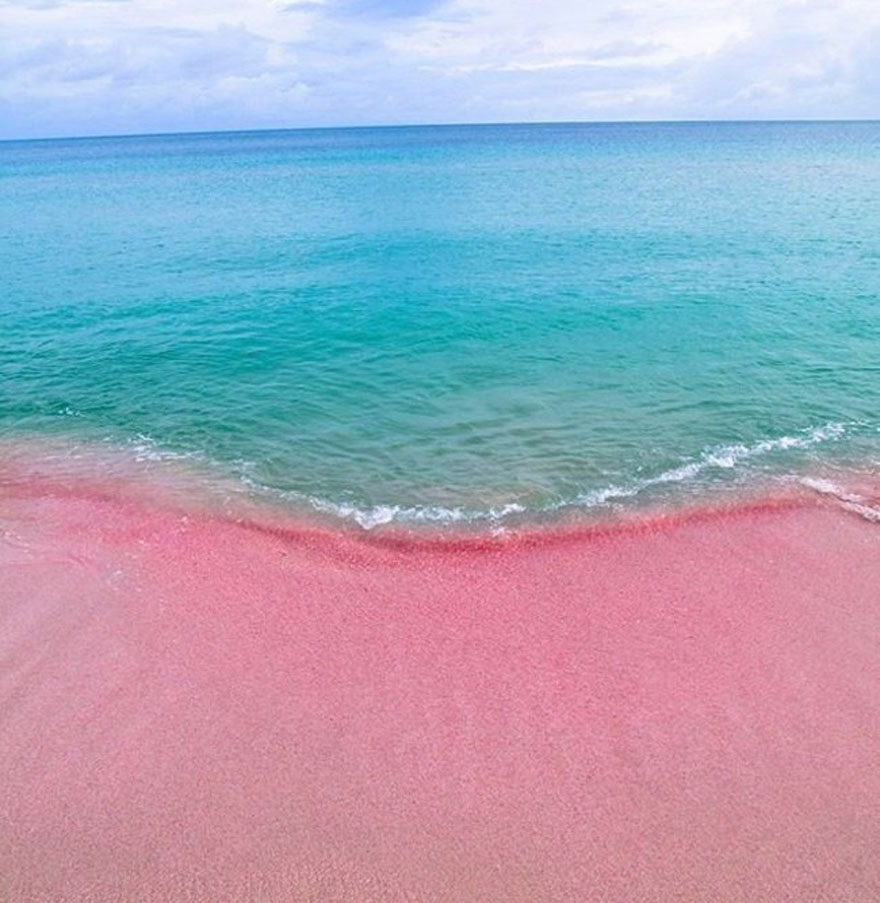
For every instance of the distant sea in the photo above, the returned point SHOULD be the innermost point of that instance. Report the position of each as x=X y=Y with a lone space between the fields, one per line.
x=450 y=325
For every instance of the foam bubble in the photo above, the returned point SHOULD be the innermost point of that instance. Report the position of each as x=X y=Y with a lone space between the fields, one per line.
x=850 y=501
x=380 y=515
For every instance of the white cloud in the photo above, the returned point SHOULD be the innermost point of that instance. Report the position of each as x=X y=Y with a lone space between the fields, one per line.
x=81 y=66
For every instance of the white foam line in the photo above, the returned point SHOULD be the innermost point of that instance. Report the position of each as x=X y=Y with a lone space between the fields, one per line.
x=851 y=501
x=379 y=515
x=719 y=457
x=726 y=457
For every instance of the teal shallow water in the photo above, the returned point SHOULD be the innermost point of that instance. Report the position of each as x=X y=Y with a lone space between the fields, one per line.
x=455 y=322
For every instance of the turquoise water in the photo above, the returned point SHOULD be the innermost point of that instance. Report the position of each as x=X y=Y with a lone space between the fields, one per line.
x=451 y=322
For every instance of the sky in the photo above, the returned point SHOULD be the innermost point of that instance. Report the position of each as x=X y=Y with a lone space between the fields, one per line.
x=78 y=67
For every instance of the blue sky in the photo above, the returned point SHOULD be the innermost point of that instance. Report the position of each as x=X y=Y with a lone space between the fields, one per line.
x=74 y=67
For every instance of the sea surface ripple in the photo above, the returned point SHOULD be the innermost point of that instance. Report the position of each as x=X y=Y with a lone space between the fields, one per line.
x=451 y=324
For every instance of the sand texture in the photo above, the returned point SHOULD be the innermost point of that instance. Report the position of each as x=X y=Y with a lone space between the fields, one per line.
x=198 y=709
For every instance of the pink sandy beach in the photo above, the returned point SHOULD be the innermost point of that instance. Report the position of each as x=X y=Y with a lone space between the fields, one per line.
x=194 y=708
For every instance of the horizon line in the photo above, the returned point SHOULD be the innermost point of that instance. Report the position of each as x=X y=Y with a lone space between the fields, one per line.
x=430 y=125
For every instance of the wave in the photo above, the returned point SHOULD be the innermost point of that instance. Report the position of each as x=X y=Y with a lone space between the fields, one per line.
x=714 y=466
x=851 y=501
x=721 y=458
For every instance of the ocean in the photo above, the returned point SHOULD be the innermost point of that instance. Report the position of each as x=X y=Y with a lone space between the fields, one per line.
x=456 y=325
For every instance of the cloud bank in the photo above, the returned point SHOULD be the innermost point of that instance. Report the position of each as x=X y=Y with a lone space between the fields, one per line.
x=72 y=67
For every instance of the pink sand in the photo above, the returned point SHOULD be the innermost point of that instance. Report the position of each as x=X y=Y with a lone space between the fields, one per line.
x=195 y=709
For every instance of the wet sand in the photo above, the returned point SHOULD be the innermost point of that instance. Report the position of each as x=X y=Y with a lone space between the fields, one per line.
x=194 y=708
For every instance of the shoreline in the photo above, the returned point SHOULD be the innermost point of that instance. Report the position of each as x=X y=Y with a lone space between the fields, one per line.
x=184 y=492
x=140 y=469
x=197 y=707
